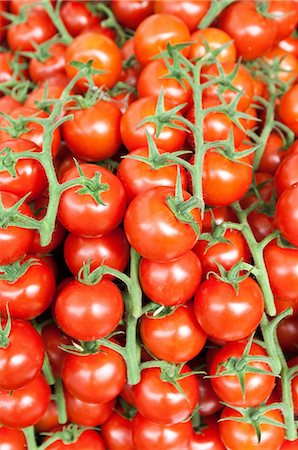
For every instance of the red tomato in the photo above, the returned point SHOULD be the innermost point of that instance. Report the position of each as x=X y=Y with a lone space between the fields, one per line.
x=25 y=406
x=155 y=32
x=273 y=154
x=111 y=249
x=290 y=45
x=76 y=16
x=133 y=138
x=176 y=337
x=87 y=414
x=87 y=440
x=215 y=38
x=225 y=253
x=148 y=435
x=217 y=304
x=160 y=401
x=43 y=93
x=289 y=445
x=8 y=103
x=7 y=62
x=207 y=439
x=190 y=11
x=117 y=432
x=102 y=51
x=53 y=340
x=209 y=401
x=171 y=282
x=149 y=219
x=287 y=214
x=288 y=109
x=96 y=378
x=54 y=65
x=285 y=17
x=130 y=13
x=253 y=33
x=49 y=420
x=242 y=436
x=287 y=173
x=287 y=333
x=287 y=64
x=14 y=241
x=12 y=439
x=94 y=133
x=81 y=214
x=31 y=294
x=89 y=312
x=30 y=175
x=220 y=214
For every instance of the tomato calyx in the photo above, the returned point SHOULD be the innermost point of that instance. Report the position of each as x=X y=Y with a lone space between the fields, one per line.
x=235 y=275
x=12 y=272
x=42 y=51
x=69 y=434
x=4 y=332
x=21 y=17
x=92 y=186
x=10 y=216
x=18 y=126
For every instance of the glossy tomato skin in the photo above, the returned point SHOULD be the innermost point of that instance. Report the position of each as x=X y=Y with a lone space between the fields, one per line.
x=253 y=33
x=148 y=435
x=175 y=338
x=88 y=440
x=102 y=51
x=285 y=17
x=155 y=32
x=216 y=304
x=160 y=401
x=54 y=340
x=207 y=439
x=87 y=414
x=272 y=155
x=8 y=103
x=138 y=177
x=287 y=64
x=30 y=176
x=52 y=66
x=287 y=173
x=112 y=249
x=149 y=219
x=18 y=364
x=117 y=432
x=31 y=294
x=14 y=241
x=171 y=282
x=12 y=439
x=289 y=445
x=94 y=133
x=131 y=13
x=215 y=38
x=219 y=215
x=209 y=401
x=225 y=253
x=133 y=138
x=49 y=420
x=76 y=16
x=97 y=378
x=81 y=214
x=242 y=436
x=191 y=12
x=288 y=109
x=89 y=312
x=25 y=406
x=286 y=214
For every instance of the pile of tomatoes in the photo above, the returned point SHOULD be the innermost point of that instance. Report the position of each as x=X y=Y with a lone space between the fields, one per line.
x=148 y=225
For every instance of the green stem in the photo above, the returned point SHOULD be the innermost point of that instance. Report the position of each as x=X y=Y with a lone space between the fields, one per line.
x=47 y=370
x=216 y=7
x=57 y=21
x=30 y=438
x=60 y=401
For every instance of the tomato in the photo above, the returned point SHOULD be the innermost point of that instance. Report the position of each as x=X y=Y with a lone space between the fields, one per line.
x=53 y=340
x=287 y=333
x=117 y=432
x=89 y=312
x=94 y=133
x=282 y=304
x=171 y=282
x=32 y=131
x=290 y=45
x=54 y=65
x=209 y=401
x=12 y=439
x=242 y=436
x=155 y=32
x=96 y=378
x=149 y=219
x=286 y=174
x=217 y=303
x=111 y=249
x=81 y=214
x=87 y=440
x=37 y=29
x=30 y=176
x=8 y=103
x=138 y=177
x=282 y=268
x=176 y=337
x=219 y=214
x=286 y=214
x=273 y=154
x=215 y=38
x=287 y=64
x=14 y=241
x=31 y=294
x=160 y=401
x=289 y=445
x=207 y=439
x=87 y=414
x=190 y=11
x=76 y=16
x=225 y=253
x=130 y=13
x=148 y=435
x=25 y=406
x=18 y=364
x=285 y=17
x=257 y=386
x=253 y=33
x=49 y=420
x=102 y=51
x=169 y=139
x=288 y=110
x=153 y=79
x=7 y=62
x=43 y=93
x=3 y=20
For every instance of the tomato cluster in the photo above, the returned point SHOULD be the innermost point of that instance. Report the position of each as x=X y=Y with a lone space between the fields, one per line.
x=148 y=225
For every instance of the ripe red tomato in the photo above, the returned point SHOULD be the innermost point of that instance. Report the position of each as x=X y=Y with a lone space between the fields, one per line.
x=54 y=65
x=76 y=16
x=94 y=133
x=287 y=333
x=12 y=439
x=155 y=32
x=160 y=401
x=133 y=138
x=25 y=406
x=53 y=340
x=8 y=103
x=81 y=214
x=31 y=294
x=215 y=38
x=49 y=420
x=130 y=13
x=286 y=214
x=43 y=93
x=89 y=312
x=171 y=282
x=220 y=214
x=104 y=54
x=217 y=304
x=289 y=445
x=96 y=378
x=190 y=11
x=207 y=438
x=285 y=17
x=287 y=173
x=273 y=154
x=209 y=401
x=148 y=435
x=176 y=337
x=87 y=440
x=288 y=109
x=149 y=219
x=117 y=432
x=287 y=64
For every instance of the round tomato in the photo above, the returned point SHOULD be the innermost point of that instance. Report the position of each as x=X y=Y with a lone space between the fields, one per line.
x=76 y=16
x=285 y=17
x=49 y=420
x=287 y=333
x=131 y=13
x=288 y=109
x=287 y=173
x=207 y=439
x=87 y=440
x=53 y=340
x=54 y=65
x=209 y=401
x=12 y=439
x=214 y=38
x=287 y=64
x=117 y=432
x=190 y=11
x=273 y=154
x=287 y=214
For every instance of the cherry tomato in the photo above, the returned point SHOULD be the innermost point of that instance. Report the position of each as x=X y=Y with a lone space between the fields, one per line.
x=53 y=340
x=287 y=64
x=190 y=11
x=49 y=420
x=289 y=445
x=215 y=38
x=209 y=401
x=54 y=65
x=207 y=438
x=219 y=214
x=76 y=16
x=288 y=110
x=287 y=333
x=285 y=17
x=87 y=440
x=117 y=432
x=8 y=103
x=42 y=94
x=286 y=214
x=12 y=439
x=287 y=173
x=273 y=154
x=131 y=13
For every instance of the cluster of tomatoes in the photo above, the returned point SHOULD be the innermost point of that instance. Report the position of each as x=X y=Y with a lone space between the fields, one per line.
x=148 y=225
